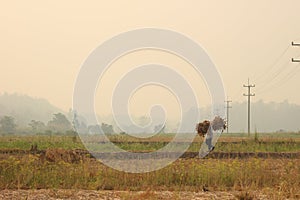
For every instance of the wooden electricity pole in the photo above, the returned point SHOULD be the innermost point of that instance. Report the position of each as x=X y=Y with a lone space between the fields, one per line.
x=227 y=112
x=249 y=95
x=295 y=44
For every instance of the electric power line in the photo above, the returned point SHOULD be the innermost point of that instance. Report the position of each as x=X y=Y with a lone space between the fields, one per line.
x=268 y=82
x=272 y=66
x=281 y=82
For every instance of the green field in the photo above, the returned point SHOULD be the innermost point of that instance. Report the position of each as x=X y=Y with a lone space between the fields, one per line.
x=226 y=143
x=275 y=177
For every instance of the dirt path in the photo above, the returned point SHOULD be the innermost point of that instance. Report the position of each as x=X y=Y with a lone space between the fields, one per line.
x=79 y=154
x=93 y=194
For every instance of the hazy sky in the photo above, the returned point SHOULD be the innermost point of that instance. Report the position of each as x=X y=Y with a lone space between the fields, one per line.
x=44 y=43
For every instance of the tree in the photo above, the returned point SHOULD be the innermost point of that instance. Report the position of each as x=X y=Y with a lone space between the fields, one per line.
x=78 y=125
x=94 y=129
x=59 y=123
x=81 y=128
x=37 y=126
x=107 y=129
x=8 y=124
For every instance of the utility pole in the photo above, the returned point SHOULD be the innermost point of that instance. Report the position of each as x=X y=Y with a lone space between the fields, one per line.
x=295 y=44
x=227 y=112
x=249 y=95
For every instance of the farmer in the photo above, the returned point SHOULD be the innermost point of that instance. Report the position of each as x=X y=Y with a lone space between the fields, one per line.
x=206 y=128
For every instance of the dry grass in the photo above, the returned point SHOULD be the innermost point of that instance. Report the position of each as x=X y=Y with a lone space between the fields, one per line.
x=280 y=177
x=61 y=168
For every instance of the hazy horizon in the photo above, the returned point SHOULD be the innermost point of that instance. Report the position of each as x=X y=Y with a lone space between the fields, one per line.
x=70 y=107
x=265 y=117
x=44 y=44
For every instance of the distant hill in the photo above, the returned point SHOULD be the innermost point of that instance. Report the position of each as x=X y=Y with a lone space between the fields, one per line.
x=25 y=108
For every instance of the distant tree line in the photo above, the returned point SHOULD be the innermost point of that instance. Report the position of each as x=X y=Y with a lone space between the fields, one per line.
x=8 y=124
x=59 y=124
x=81 y=127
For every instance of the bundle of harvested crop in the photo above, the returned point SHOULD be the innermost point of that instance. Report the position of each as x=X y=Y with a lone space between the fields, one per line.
x=217 y=124
x=202 y=127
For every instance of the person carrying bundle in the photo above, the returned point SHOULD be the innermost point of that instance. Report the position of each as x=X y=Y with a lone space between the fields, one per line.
x=205 y=128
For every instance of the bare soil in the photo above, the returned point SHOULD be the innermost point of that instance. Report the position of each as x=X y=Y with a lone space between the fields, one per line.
x=73 y=156
x=44 y=194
